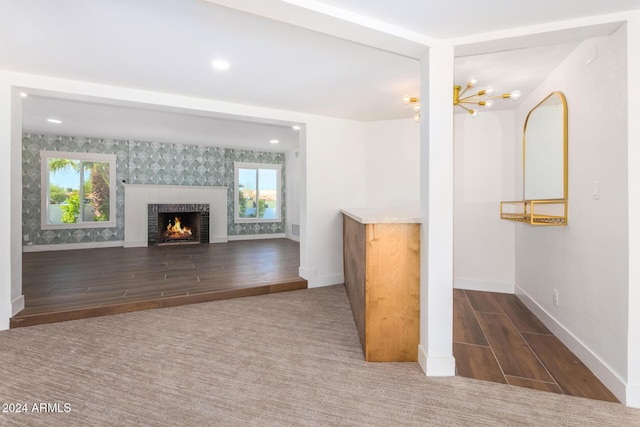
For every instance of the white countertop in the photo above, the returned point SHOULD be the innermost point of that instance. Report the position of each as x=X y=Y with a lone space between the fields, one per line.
x=383 y=215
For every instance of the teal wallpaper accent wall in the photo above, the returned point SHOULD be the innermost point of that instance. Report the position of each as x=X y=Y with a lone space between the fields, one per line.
x=139 y=162
x=155 y=163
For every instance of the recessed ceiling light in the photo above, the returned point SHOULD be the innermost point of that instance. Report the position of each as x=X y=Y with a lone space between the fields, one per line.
x=220 y=64
x=274 y=141
x=54 y=121
x=22 y=94
x=295 y=127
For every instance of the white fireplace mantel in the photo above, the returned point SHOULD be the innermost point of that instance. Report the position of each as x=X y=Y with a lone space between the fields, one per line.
x=138 y=196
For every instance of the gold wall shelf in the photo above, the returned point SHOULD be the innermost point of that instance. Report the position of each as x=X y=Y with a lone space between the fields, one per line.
x=535 y=212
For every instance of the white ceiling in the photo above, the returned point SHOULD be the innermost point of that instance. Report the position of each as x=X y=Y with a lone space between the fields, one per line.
x=168 y=45
x=440 y=19
x=522 y=69
x=137 y=122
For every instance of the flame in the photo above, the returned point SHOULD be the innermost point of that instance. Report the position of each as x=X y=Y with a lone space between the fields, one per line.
x=176 y=230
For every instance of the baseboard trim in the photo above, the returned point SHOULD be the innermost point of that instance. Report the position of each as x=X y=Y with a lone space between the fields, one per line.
x=72 y=246
x=315 y=281
x=633 y=395
x=292 y=237
x=8 y=310
x=436 y=366
x=5 y=315
x=222 y=239
x=257 y=236
x=115 y=244
x=328 y=280
x=484 y=285
x=307 y=273
x=600 y=369
x=17 y=305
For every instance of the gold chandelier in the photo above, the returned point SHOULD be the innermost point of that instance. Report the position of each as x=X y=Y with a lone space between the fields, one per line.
x=407 y=100
x=482 y=98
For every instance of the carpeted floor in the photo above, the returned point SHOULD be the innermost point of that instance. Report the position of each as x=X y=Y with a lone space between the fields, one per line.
x=283 y=359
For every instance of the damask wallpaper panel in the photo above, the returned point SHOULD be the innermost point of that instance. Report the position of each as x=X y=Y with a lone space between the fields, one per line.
x=155 y=163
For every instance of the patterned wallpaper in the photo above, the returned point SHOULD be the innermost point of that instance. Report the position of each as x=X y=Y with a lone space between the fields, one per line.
x=151 y=163
x=156 y=163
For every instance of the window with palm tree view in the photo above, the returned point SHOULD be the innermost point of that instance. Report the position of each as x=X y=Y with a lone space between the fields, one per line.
x=257 y=189
x=78 y=189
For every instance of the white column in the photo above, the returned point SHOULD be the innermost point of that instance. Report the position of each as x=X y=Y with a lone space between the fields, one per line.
x=633 y=138
x=435 y=353
x=11 y=300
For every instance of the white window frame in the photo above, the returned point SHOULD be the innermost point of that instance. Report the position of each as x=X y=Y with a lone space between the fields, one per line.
x=44 y=197
x=244 y=165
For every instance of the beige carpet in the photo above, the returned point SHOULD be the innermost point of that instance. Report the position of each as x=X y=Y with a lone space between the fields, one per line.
x=275 y=360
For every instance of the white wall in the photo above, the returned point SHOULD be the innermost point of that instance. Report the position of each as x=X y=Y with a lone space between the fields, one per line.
x=392 y=163
x=292 y=162
x=633 y=160
x=11 y=299
x=484 y=245
x=334 y=175
x=587 y=261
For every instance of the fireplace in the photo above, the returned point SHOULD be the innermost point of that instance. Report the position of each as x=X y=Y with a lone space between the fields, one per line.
x=172 y=224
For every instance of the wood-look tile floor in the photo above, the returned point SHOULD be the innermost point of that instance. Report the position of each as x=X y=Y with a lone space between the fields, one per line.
x=66 y=285
x=497 y=338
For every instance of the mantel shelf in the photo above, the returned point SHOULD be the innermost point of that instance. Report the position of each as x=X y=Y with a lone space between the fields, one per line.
x=535 y=212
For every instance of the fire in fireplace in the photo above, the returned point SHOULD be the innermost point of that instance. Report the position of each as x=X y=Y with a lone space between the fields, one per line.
x=175 y=230
x=178 y=227
x=172 y=224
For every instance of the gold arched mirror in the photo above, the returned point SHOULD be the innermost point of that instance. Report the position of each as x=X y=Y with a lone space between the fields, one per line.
x=545 y=166
x=545 y=150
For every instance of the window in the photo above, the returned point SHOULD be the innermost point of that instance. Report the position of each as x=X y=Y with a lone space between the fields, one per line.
x=78 y=189
x=257 y=192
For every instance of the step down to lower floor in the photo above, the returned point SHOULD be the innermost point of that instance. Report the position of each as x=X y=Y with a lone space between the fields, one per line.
x=23 y=318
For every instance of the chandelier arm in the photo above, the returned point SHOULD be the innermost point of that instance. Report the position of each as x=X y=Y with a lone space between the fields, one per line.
x=466 y=88
x=475 y=98
x=471 y=98
x=474 y=113
x=469 y=101
x=503 y=96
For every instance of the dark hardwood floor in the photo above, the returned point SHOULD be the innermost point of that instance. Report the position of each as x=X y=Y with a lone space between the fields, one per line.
x=496 y=338
x=75 y=284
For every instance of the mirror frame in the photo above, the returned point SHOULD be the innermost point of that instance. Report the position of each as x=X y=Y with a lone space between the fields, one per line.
x=565 y=150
